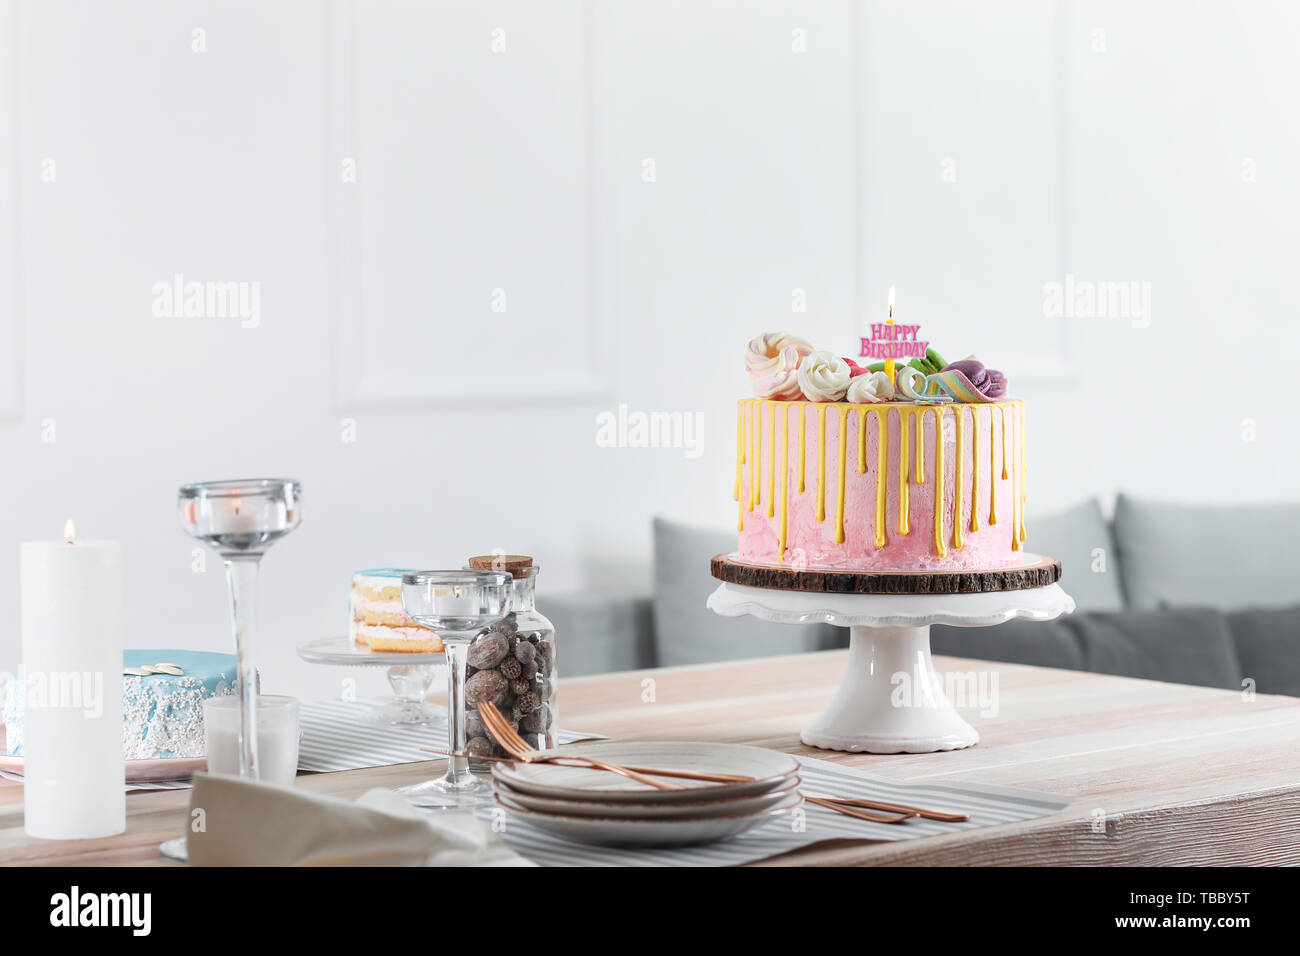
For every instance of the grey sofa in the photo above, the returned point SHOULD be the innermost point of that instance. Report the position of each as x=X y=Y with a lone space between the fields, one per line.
x=1189 y=594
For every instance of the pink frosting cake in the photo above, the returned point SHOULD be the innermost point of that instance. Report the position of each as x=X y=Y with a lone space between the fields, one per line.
x=874 y=483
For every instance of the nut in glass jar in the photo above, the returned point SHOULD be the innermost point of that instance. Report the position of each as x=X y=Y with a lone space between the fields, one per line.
x=512 y=665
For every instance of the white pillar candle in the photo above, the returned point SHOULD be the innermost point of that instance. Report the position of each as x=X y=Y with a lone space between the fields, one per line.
x=73 y=628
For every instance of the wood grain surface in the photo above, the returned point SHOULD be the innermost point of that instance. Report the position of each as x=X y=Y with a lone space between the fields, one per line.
x=1160 y=773
x=1040 y=573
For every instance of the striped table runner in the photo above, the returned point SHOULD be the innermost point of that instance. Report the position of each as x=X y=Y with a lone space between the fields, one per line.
x=335 y=736
x=987 y=805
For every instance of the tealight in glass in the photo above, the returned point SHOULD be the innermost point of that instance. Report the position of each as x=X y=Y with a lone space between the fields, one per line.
x=456 y=605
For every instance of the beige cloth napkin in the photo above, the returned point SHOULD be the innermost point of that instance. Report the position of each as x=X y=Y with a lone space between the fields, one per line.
x=236 y=822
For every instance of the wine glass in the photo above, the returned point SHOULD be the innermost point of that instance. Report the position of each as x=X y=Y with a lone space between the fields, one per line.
x=240 y=519
x=458 y=605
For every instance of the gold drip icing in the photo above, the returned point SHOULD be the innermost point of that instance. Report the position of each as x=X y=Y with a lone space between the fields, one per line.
x=993 y=475
x=839 y=498
x=771 y=460
x=803 y=427
x=920 y=446
x=940 y=548
x=958 y=490
x=904 y=499
x=862 y=440
x=754 y=452
x=785 y=481
x=882 y=451
x=975 y=469
x=750 y=438
x=821 y=461
x=1004 y=443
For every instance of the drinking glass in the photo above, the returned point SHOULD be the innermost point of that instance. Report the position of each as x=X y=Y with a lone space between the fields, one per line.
x=457 y=605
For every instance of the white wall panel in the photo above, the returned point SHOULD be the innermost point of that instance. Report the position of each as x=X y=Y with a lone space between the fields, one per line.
x=11 y=163
x=463 y=249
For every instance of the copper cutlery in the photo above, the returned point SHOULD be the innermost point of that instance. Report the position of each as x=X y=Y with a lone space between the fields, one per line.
x=873 y=811
x=823 y=799
x=684 y=774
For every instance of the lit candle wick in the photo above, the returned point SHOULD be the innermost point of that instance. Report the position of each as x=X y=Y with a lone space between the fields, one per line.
x=69 y=532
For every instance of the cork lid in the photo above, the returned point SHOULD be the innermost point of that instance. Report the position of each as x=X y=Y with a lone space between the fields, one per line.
x=501 y=562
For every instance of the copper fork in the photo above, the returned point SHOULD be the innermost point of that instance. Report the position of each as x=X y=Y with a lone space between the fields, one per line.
x=519 y=748
x=507 y=737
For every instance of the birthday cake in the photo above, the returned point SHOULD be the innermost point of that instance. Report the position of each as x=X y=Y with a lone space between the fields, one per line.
x=377 y=619
x=905 y=463
x=162 y=702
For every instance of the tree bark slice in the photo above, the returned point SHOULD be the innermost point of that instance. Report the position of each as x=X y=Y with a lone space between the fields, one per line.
x=1042 y=572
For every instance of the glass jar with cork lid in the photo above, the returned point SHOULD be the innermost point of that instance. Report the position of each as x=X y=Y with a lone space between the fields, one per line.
x=512 y=665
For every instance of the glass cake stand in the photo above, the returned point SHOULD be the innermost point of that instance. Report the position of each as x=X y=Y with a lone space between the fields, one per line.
x=410 y=675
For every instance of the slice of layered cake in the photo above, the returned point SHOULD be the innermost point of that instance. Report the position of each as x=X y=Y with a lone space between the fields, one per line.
x=377 y=618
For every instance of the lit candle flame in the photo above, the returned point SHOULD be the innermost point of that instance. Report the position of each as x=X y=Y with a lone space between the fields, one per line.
x=891 y=303
x=69 y=531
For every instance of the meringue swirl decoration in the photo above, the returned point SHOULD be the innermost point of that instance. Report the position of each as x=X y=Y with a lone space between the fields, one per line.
x=824 y=377
x=772 y=361
x=870 y=388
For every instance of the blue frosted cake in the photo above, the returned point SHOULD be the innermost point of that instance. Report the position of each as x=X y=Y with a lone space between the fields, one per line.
x=162 y=711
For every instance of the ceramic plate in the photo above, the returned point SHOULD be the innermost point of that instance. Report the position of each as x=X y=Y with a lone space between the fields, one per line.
x=595 y=808
x=770 y=769
x=137 y=771
x=625 y=831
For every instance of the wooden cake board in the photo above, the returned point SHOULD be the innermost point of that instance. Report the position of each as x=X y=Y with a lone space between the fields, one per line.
x=1039 y=572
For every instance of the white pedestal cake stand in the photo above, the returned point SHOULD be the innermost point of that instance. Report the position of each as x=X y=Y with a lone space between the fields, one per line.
x=889 y=635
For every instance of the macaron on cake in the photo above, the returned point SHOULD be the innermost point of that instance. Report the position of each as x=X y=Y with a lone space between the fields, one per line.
x=377 y=619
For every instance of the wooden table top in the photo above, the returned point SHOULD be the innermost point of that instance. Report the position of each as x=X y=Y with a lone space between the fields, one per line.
x=1160 y=773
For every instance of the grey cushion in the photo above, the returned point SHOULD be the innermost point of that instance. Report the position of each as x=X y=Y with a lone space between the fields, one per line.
x=1187 y=646
x=1080 y=539
x=687 y=632
x=596 y=634
x=1268 y=647
x=1228 y=557
x=1047 y=644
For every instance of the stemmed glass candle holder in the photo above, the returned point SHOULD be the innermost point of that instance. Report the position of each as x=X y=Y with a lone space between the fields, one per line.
x=457 y=605
x=241 y=519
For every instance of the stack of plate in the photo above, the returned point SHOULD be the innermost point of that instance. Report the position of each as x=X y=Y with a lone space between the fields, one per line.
x=595 y=806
